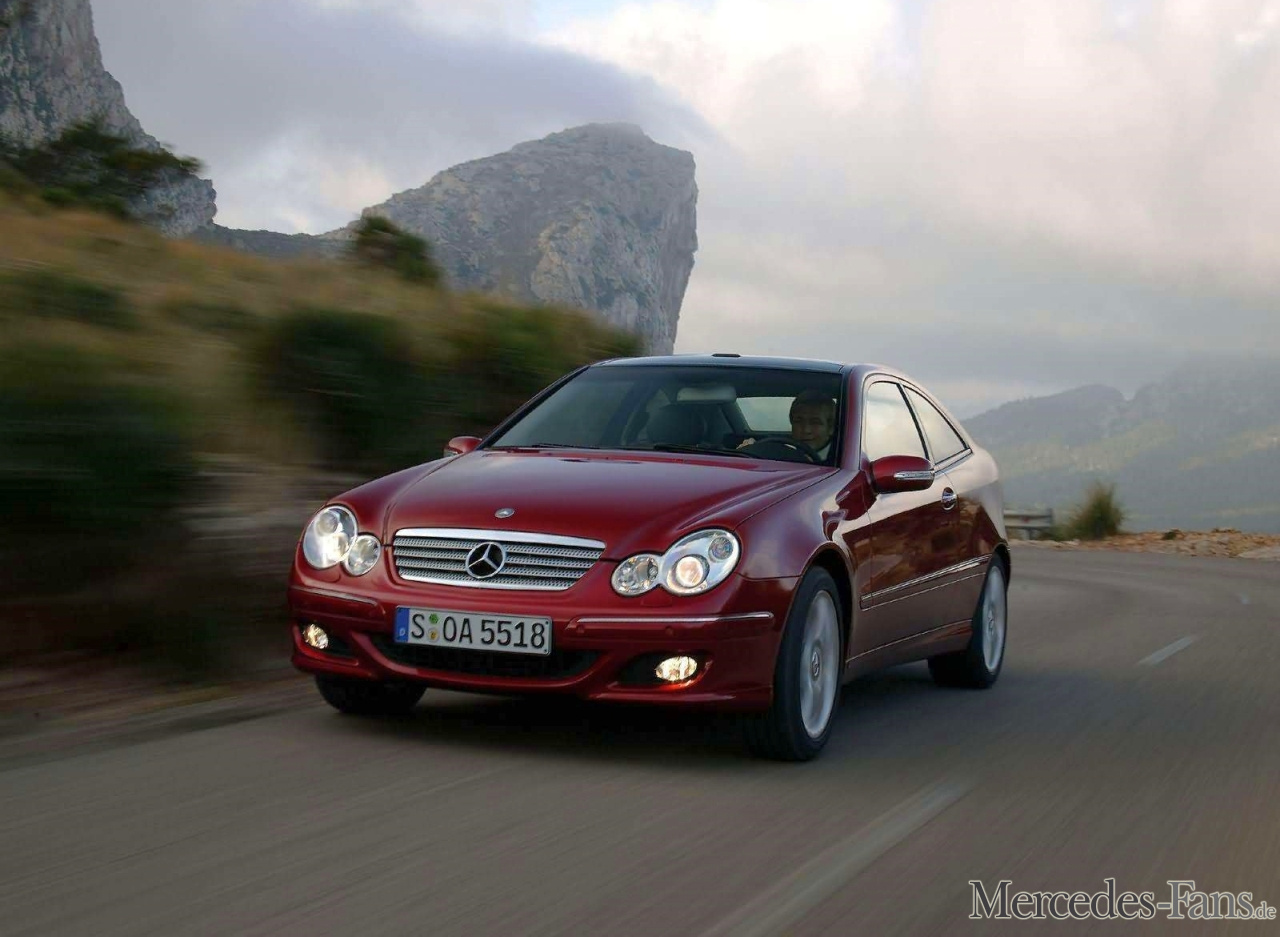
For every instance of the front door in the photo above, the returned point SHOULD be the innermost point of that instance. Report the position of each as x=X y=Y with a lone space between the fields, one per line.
x=914 y=537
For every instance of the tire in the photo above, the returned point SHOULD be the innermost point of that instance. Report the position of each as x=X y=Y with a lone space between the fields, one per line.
x=798 y=723
x=367 y=698
x=978 y=666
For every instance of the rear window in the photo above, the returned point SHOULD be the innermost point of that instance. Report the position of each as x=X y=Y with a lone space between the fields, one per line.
x=766 y=414
x=944 y=441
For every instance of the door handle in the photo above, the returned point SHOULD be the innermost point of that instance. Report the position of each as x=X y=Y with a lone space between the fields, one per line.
x=949 y=499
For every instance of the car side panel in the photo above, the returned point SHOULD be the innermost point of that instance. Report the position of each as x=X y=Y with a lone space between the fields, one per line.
x=981 y=507
x=785 y=539
x=915 y=542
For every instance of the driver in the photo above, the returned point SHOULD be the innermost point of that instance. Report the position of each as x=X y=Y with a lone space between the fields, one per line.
x=813 y=421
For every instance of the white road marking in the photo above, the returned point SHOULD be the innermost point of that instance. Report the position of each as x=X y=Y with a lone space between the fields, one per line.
x=815 y=881
x=1165 y=652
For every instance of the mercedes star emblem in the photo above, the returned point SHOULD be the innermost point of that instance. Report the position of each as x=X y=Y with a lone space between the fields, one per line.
x=485 y=560
x=504 y=512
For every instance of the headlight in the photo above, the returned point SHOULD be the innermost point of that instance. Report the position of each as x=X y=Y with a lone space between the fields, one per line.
x=331 y=539
x=363 y=555
x=691 y=566
x=636 y=575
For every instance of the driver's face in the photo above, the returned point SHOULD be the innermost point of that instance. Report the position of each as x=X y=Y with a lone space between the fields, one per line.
x=812 y=425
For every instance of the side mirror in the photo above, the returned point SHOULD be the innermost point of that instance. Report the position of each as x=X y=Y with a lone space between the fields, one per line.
x=461 y=445
x=902 y=473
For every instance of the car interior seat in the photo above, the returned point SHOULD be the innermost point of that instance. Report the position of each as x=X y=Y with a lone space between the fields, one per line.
x=676 y=425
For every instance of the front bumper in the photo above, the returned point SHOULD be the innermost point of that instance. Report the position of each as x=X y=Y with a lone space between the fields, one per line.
x=604 y=646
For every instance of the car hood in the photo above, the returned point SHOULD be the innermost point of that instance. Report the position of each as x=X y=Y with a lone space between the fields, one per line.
x=630 y=501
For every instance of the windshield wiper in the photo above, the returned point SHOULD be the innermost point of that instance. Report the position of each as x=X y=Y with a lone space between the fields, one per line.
x=669 y=447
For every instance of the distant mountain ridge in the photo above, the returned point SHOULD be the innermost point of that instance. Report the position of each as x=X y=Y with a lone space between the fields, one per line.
x=1198 y=449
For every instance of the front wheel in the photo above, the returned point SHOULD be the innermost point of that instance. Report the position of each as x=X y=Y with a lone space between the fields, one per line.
x=806 y=686
x=978 y=665
x=368 y=698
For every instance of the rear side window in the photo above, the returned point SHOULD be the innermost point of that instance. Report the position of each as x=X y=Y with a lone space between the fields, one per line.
x=944 y=441
x=888 y=428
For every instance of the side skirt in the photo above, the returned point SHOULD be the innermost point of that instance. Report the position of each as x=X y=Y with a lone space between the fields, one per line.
x=943 y=640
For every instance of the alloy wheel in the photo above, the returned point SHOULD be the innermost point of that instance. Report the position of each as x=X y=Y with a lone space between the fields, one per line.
x=994 y=619
x=820 y=660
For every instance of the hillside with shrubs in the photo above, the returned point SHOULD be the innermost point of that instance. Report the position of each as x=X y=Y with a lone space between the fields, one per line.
x=171 y=413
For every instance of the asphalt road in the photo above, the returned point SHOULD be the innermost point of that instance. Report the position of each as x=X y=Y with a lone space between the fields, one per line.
x=1133 y=734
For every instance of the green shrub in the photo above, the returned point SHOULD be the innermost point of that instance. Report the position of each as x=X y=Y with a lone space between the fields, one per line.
x=91 y=469
x=504 y=354
x=49 y=294
x=194 y=624
x=11 y=180
x=517 y=350
x=353 y=380
x=524 y=348
x=59 y=198
x=1098 y=517
x=217 y=317
x=89 y=165
x=381 y=243
x=373 y=404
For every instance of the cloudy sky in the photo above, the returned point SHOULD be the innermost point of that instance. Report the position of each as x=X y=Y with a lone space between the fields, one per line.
x=1002 y=198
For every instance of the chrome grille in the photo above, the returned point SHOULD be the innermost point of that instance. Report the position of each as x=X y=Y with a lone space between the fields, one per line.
x=547 y=562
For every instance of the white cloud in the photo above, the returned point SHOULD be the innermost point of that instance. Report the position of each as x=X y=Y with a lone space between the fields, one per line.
x=507 y=16
x=909 y=164
x=1000 y=196
x=1037 y=116
x=306 y=111
x=722 y=58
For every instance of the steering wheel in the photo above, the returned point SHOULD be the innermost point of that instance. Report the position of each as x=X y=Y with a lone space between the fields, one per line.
x=782 y=447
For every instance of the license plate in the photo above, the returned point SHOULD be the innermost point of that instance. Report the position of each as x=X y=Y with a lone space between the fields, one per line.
x=477 y=631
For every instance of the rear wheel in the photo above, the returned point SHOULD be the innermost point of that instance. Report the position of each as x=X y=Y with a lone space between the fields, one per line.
x=978 y=665
x=806 y=684
x=368 y=698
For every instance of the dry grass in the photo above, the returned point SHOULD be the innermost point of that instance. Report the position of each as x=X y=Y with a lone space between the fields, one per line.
x=211 y=369
x=198 y=315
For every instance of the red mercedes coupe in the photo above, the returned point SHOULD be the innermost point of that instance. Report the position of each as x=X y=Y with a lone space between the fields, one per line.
x=743 y=533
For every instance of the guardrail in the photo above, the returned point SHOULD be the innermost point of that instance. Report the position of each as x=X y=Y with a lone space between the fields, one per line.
x=1028 y=523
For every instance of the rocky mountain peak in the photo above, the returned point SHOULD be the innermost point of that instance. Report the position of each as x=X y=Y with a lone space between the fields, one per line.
x=51 y=76
x=599 y=217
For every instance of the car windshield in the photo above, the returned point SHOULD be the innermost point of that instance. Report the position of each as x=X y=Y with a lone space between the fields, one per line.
x=762 y=413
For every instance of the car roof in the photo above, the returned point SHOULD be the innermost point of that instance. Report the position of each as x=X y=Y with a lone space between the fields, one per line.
x=730 y=360
x=858 y=370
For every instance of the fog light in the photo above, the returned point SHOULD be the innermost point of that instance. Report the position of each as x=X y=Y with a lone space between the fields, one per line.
x=315 y=637
x=676 y=669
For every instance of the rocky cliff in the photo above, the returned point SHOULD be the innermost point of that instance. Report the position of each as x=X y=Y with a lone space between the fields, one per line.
x=599 y=217
x=51 y=75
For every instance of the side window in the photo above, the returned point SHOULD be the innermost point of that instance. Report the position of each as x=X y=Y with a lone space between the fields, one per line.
x=887 y=425
x=944 y=441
